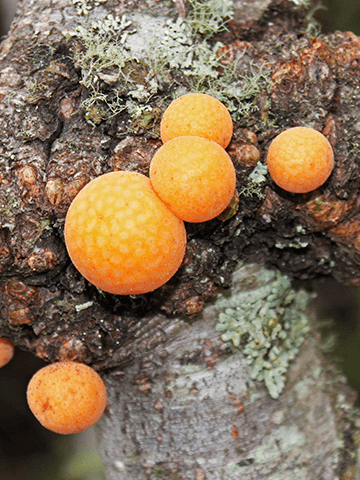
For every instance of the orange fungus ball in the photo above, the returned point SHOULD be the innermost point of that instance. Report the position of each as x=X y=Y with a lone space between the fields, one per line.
x=121 y=237
x=6 y=351
x=66 y=397
x=300 y=159
x=197 y=114
x=194 y=177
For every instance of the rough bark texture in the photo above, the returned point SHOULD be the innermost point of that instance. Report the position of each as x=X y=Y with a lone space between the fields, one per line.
x=49 y=152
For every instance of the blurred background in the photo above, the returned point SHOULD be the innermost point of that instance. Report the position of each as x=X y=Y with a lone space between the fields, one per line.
x=30 y=452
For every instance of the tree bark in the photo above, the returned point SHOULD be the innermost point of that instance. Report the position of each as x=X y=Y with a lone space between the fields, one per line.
x=187 y=409
x=181 y=406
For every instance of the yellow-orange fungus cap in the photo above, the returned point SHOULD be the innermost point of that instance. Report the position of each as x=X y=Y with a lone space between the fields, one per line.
x=197 y=114
x=121 y=236
x=194 y=177
x=66 y=397
x=6 y=351
x=300 y=159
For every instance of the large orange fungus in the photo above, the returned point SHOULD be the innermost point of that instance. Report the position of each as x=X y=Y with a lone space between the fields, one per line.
x=300 y=159
x=120 y=235
x=197 y=114
x=194 y=177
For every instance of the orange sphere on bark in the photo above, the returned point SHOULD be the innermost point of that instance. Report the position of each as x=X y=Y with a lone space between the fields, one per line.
x=66 y=397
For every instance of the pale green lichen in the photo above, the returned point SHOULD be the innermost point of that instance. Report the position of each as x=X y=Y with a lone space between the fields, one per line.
x=178 y=59
x=177 y=48
x=83 y=7
x=208 y=17
x=9 y=205
x=200 y=64
x=104 y=51
x=294 y=243
x=255 y=182
x=83 y=306
x=268 y=325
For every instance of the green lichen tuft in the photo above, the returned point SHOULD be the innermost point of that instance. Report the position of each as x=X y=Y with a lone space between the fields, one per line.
x=255 y=182
x=177 y=48
x=268 y=324
x=120 y=78
x=83 y=7
x=106 y=64
x=208 y=17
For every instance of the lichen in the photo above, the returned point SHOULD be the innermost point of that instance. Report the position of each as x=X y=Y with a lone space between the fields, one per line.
x=83 y=7
x=294 y=243
x=103 y=60
x=208 y=17
x=268 y=325
x=255 y=182
x=313 y=25
x=9 y=206
x=120 y=78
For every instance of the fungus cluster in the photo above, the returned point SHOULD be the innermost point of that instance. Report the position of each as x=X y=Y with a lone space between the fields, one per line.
x=125 y=232
x=300 y=159
x=192 y=173
x=66 y=397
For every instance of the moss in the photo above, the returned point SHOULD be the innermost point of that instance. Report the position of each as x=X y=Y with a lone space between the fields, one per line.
x=268 y=325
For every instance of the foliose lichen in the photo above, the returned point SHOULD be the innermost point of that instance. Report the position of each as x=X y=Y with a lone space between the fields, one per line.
x=268 y=325
x=255 y=182
x=179 y=58
x=83 y=7
x=208 y=17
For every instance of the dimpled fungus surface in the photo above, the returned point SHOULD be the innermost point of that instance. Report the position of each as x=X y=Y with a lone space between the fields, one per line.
x=300 y=159
x=6 y=351
x=66 y=397
x=197 y=114
x=194 y=177
x=121 y=237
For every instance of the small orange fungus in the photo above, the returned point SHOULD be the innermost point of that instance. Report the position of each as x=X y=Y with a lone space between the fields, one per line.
x=197 y=114
x=66 y=397
x=6 y=351
x=194 y=177
x=300 y=159
x=120 y=235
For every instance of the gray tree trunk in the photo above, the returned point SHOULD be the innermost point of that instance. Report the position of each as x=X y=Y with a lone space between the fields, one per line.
x=188 y=409
x=215 y=375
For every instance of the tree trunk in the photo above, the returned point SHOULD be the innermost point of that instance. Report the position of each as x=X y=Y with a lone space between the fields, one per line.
x=188 y=409
x=81 y=94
